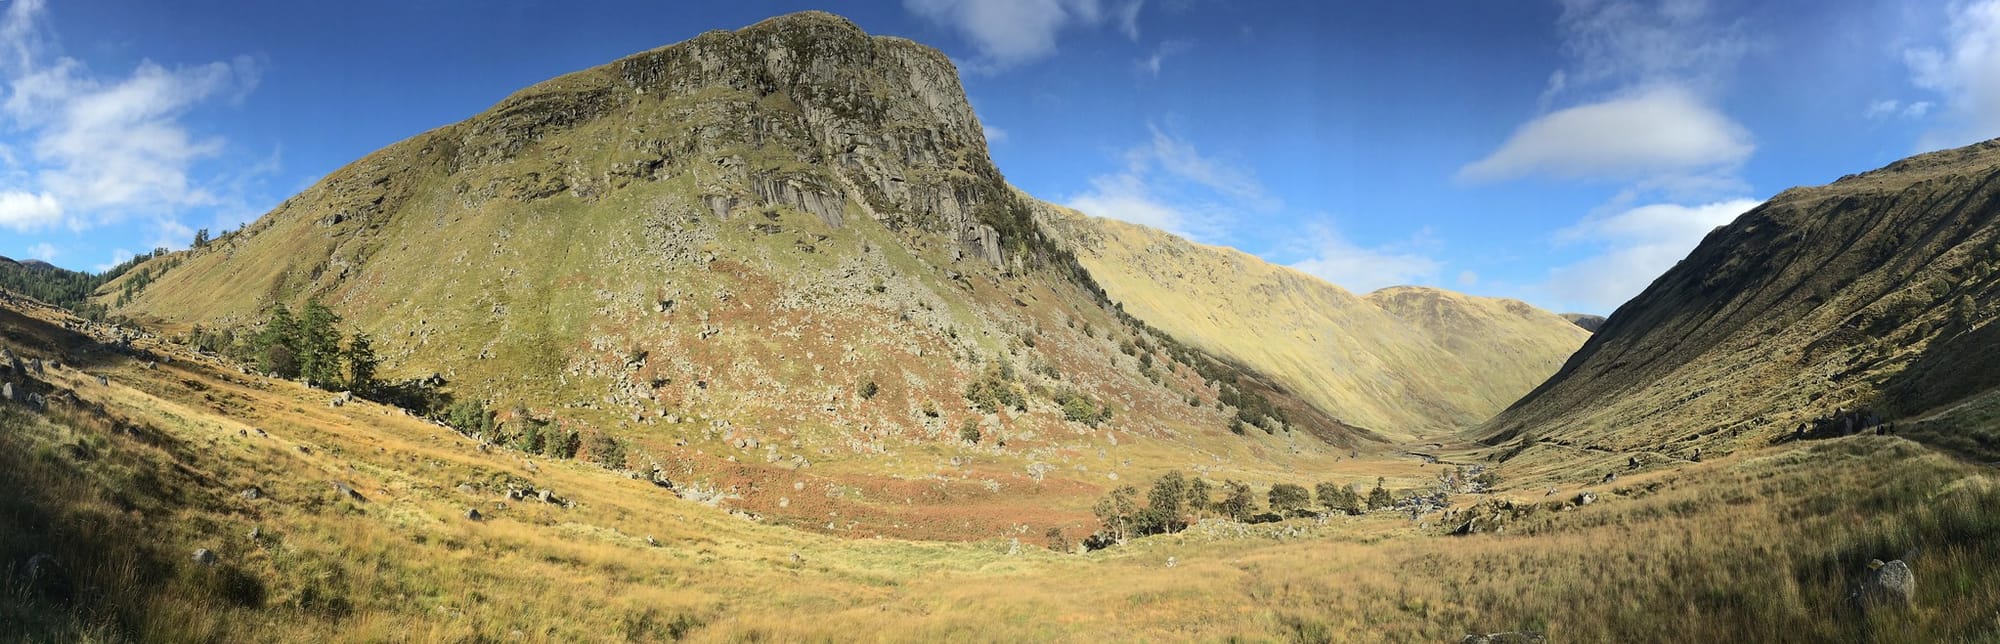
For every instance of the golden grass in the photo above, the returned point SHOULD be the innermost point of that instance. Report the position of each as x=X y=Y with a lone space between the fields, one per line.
x=1759 y=546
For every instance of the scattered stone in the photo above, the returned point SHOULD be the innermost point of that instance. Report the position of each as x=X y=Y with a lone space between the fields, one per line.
x=1632 y=462
x=548 y=496
x=474 y=515
x=466 y=488
x=1522 y=637
x=798 y=560
x=348 y=491
x=1610 y=477
x=103 y=381
x=204 y=557
x=305 y=450
x=256 y=533
x=1586 y=498
x=341 y=398
x=1171 y=562
x=252 y=493
x=7 y=391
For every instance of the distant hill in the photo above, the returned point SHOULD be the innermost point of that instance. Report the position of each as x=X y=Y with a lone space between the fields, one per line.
x=1589 y=322
x=1402 y=361
x=1874 y=292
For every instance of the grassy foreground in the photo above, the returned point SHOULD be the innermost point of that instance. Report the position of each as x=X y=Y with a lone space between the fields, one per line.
x=123 y=485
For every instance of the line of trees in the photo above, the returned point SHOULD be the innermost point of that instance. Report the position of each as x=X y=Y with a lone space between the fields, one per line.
x=308 y=347
x=1175 y=501
x=531 y=435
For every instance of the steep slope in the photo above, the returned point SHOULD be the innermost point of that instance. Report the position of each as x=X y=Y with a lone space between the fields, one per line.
x=750 y=254
x=1402 y=361
x=1873 y=292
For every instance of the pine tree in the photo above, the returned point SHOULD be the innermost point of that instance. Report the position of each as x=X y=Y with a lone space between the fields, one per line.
x=319 y=345
x=361 y=364
x=278 y=344
x=1379 y=498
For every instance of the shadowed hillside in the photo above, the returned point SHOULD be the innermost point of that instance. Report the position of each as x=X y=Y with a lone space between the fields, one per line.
x=1875 y=292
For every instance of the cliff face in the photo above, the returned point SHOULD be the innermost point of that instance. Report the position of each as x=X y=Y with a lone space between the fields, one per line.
x=1401 y=361
x=1852 y=294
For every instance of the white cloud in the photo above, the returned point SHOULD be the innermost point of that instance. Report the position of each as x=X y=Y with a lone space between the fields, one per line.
x=117 y=257
x=1170 y=185
x=25 y=211
x=1012 y=32
x=1360 y=269
x=100 y=149
x=1661 y=130
x=43 y=251
x=1635 y=247
x=1468 y=279
x=994 y=134
x=1965 y=72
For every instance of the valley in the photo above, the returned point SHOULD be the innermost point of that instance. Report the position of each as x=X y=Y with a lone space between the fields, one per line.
x=747 y=338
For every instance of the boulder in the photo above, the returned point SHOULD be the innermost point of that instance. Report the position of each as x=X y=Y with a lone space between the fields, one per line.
x=204 y=556
x=1889 y=585
x=45 y=575
x=7 y=391
x=348 y=491
x=252 y=493
x=474 y=515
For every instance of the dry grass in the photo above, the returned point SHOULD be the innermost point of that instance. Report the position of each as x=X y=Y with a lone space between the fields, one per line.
x=1758 y=546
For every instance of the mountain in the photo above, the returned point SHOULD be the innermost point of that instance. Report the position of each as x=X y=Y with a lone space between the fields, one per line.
x=763 y=257
x=1402 y=361
x=1588 y=321
x=1873 y=293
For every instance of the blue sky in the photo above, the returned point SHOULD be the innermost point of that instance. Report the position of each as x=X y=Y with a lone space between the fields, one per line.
x=1561 y=152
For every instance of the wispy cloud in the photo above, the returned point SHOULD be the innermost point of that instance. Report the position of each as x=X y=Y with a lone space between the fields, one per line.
x=1362 y=269
x=1152 y=63
x=1964 y=71
x=1634 y=247
x=1007 y=33
x=43 y=251
x=1168 y=184
x=100 y=149
x=1635 y=103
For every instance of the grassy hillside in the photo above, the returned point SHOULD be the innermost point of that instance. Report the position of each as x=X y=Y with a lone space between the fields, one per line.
x=757 y=257
x=1404 y=361
x=1875 y=292
x=117 y=483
